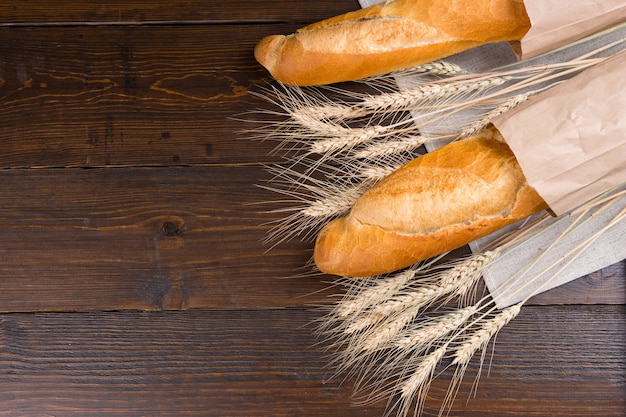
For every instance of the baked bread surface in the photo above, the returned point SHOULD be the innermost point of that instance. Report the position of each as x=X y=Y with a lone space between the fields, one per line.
x=388 y=37
x=438 y=202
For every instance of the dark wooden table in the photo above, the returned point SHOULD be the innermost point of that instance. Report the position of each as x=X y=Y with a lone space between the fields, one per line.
x=133 y=278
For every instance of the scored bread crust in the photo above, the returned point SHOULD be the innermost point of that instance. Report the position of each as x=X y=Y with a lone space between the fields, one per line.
x=387 y=37
x=437 y=202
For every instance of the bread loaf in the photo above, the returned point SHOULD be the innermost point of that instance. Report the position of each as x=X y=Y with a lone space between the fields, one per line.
x=437 y=202
x=390 y=36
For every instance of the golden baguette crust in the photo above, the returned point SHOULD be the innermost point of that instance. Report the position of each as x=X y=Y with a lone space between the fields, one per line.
x=435 y=203
x=388 y=37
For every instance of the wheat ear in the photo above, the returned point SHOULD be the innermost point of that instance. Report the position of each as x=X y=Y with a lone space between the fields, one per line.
x=314 y=124
x=417 y=384
x=481 y=337
x=421 y=336
x=412 y=343
x=453 y=282
x=429 y=69
x=332 y=205
x=366 y=327
x=478 y=339
x=482 y=122
x=390 y=147
x=375 y=173
x=428 y=92
x=439 y=68
x=348 y=138
x=374 y=295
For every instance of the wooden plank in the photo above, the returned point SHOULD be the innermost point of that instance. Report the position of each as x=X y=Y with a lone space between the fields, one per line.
x=155 y=238
x=610 y=281
x=548 y=362
x=193 y=11
x=105 y=239
x=556 y=356
x=127 y=96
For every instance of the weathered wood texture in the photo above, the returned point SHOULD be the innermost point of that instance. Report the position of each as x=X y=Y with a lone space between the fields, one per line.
x=134 y=278
x=129 y=96
x=142 y=238
x=154 y=12
x=261 y=363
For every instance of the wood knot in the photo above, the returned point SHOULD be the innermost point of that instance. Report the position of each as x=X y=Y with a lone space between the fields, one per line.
x=170 y=229
x=170 y=234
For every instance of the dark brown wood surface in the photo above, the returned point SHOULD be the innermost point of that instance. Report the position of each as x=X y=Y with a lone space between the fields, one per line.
x=133 y=276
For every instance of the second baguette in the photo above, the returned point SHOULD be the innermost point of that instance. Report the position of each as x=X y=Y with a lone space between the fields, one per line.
x=390 y=36
x=438 y=202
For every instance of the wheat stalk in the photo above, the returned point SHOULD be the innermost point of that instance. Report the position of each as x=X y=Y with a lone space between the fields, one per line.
x=317 y=125
x=391 y=147
x=410 y=335
x=482 y=122
x=411 y=346
x=410 y=98
x=423 y=335
x=375 y=294
x=416 y=386
x=481 y=337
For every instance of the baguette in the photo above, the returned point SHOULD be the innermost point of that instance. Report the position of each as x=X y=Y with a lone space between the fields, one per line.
x=386 y=37
x=437 y=202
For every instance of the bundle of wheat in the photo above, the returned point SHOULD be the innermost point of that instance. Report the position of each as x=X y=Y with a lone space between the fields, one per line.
x=394 y=332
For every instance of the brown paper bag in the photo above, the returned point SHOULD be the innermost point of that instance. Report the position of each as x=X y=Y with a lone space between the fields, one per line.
x=555 y=23
x=571 y=140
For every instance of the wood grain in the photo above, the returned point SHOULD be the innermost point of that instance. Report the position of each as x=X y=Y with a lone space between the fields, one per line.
x=263 y=363
x=128 y=96
x=154 y=238
x=119 y=12
x=589 y=289
x=143 y=238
